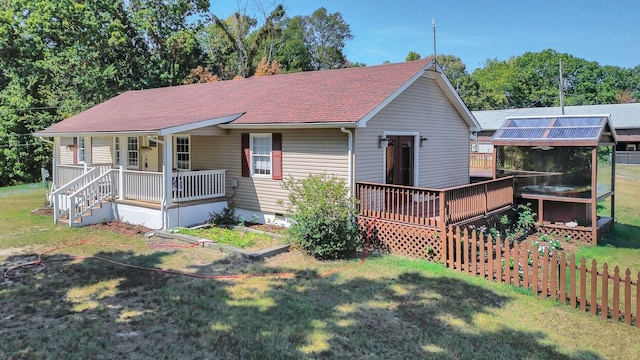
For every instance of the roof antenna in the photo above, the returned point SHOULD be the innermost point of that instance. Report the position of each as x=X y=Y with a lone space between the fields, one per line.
x=433 y=25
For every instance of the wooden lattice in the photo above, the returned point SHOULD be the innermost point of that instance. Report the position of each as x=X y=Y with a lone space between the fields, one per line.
x=403 y=239
x=577 y=235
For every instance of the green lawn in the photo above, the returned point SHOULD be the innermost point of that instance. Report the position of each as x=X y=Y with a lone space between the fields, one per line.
x=387 y=308
x=621 y=247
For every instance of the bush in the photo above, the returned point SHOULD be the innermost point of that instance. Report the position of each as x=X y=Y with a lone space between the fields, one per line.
x=323 y=221
x=226 y=217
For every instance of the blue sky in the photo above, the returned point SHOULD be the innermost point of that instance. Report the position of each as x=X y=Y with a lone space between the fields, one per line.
x=607 y=32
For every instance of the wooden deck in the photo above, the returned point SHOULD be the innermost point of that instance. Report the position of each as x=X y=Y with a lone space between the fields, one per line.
x=434 y=207
x=413 y=221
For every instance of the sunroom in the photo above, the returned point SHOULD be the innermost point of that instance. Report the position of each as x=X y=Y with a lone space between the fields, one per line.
x=564 y=167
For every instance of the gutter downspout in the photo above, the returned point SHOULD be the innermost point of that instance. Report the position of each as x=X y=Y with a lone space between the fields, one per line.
x=350 y=166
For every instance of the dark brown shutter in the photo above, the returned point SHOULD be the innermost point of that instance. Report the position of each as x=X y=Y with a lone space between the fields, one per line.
x=276 y=156
x=246 y=155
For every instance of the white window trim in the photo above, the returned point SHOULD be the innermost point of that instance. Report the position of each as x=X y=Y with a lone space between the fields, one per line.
x=81 y=151
x=117 y=151
x=175 y=151
x=261 y=135
x=416 y=154
x=137 y=151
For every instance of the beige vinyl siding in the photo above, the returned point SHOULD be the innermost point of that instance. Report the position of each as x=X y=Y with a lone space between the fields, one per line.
x=202 y=149
x=304 y=152
x=101 y=150
x=66 y=155
x=422 y=108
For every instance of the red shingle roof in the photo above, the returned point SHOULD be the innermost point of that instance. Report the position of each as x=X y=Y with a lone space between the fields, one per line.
x=345 y=95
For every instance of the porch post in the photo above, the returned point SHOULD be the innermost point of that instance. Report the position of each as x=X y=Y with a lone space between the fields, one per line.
x=120 y=182
x=54 y=163
x=167 y=162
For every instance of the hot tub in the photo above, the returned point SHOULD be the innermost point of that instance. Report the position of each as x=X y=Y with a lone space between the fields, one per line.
x=557 y=190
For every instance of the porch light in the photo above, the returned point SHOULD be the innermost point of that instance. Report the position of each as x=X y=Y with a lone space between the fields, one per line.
x=383 y=142
x=423 y=139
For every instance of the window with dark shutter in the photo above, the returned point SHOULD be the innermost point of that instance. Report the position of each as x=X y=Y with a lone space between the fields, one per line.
x=246 y=155
x=262 y=155
x=276 y=156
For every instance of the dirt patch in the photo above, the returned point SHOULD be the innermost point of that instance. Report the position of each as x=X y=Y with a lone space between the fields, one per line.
x=270 y=228
x=43 y=211
x=122 y=228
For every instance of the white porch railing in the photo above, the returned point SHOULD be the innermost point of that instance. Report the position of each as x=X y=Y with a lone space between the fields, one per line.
x=187 y=185
x=142 y=186
x=86 y=190
x=92 y=195
x=60 y=197
x=67 y=173
x=198 y=185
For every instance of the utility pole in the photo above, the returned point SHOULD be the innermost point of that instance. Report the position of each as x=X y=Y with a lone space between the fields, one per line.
x=561 y=89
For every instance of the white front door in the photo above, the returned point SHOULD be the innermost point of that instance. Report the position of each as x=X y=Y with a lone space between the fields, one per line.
x=150 y=156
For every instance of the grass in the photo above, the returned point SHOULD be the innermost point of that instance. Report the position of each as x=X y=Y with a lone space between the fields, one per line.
x=621 y=247
x=235 y=238
x=387 y=308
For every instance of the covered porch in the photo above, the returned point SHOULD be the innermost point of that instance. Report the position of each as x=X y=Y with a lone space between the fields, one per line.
x=90 y=194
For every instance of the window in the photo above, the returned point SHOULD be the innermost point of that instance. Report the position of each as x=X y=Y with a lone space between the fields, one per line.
x=631 y=147
x=132 y=151
x=81 y=150
x=261 y=154
x=117 y=151
x=183 y=161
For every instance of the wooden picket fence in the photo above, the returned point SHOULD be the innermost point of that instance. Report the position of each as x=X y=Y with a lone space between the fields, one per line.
x=614 y=295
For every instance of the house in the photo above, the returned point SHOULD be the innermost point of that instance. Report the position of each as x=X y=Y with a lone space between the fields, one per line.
x=624 y=117
x=170 y=156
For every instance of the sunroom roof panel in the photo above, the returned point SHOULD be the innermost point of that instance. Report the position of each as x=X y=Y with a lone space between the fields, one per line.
x=565 y=130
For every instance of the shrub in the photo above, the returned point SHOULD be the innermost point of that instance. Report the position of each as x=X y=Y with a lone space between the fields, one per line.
x=226 y=217
x=322 y=213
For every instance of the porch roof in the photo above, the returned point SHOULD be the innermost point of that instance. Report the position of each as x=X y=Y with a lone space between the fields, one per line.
x=339 y=97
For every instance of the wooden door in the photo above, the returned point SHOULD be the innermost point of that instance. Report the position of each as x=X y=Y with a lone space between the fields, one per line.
x=399 y=163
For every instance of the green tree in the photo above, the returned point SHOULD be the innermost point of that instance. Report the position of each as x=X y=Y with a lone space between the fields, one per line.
x=56 y=59
x=169 y=29
x=533 y=80
x=412 y=56
x=236 y=34
x=292 y=52
x=325 y=36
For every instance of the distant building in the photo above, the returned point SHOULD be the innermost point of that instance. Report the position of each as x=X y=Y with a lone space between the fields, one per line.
x=624 y=117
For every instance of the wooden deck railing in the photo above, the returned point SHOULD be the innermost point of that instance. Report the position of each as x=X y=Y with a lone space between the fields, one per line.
x=470 y=201
x=482 y=161
x=434 y=207
x=399 y=203
x=609 y=293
